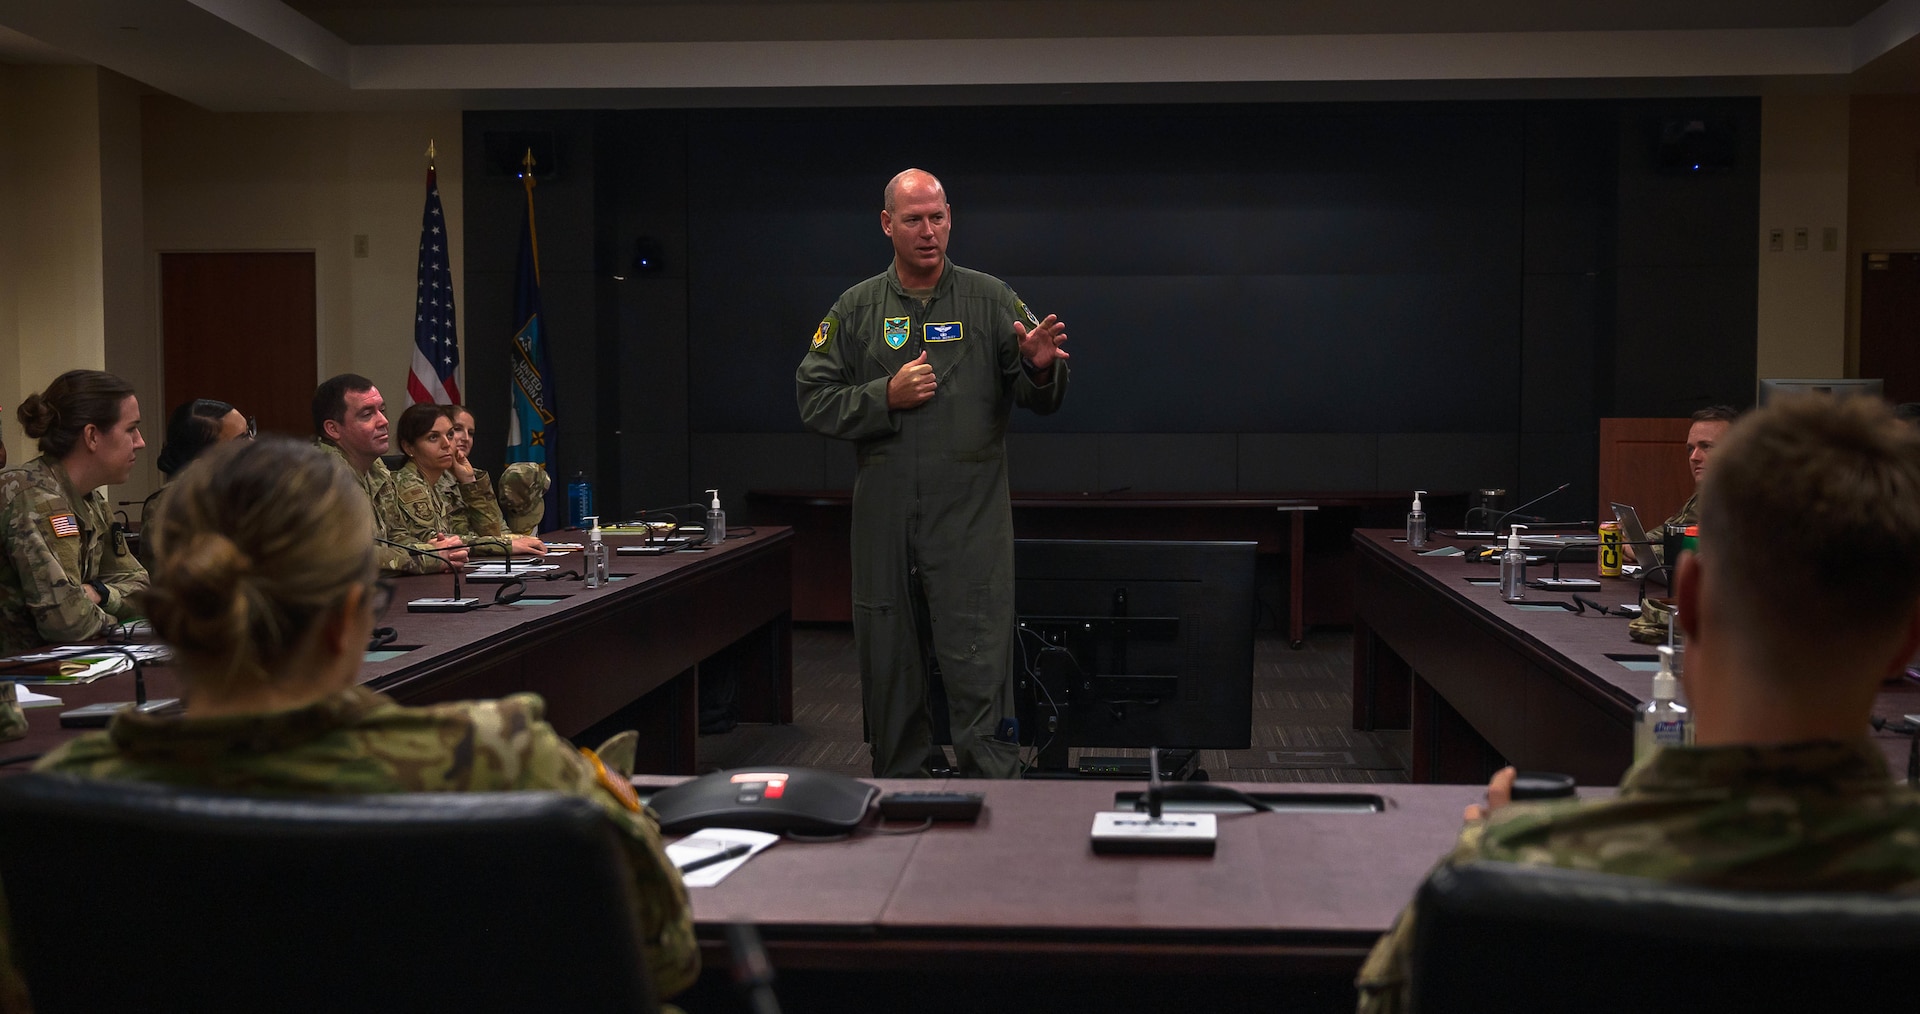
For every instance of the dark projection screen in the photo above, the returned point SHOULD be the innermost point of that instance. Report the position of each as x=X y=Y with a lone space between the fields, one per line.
x=1221 y=269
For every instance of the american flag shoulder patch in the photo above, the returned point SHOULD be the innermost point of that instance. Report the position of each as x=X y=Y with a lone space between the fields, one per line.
x=65 y=526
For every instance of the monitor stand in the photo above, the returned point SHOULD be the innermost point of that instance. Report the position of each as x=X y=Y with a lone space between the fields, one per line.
x=1175 y=766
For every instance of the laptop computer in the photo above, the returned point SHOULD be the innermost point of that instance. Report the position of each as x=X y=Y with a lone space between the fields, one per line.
x=1633 y=533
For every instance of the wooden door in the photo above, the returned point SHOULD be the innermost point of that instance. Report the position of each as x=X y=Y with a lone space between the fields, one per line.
x=1643 y=463
x=1890 y=322
x=240 y=327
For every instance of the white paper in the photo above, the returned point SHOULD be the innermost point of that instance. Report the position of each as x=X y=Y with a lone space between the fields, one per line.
x=28 y=699
x=716 y=839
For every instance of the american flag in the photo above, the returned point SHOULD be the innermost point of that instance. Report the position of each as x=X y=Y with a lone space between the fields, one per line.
x=435 y=377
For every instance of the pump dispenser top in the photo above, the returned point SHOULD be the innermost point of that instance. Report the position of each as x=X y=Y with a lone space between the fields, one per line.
x=1513 y=539
x=1417 y=494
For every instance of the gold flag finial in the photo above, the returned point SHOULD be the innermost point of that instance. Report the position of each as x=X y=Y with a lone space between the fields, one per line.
x=429 y=152
x=528 y=162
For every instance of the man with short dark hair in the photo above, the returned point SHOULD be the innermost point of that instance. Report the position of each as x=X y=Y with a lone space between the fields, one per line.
x=1803 y=597
x=350 y=420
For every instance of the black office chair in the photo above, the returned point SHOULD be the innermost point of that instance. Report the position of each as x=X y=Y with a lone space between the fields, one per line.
x=1495 y=937
x=127 y=896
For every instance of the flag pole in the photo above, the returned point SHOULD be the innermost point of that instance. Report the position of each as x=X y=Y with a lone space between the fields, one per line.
x=533 y=237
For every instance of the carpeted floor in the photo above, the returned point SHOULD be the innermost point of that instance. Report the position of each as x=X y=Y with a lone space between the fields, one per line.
x=1302 y=708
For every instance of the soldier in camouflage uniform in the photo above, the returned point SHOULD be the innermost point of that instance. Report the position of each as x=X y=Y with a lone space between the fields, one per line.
x=350 y=422
x=1803 y=597
x=1708 y=428
x=465 y=507
x=277 y=710
x=359 y=741
x=67 y=574
x=523 y=484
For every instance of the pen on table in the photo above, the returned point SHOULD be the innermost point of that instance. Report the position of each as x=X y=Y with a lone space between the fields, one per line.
x=734 y=851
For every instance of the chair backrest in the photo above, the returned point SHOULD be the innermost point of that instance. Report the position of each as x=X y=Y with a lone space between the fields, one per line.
x=1494 y=937
x=127 y=896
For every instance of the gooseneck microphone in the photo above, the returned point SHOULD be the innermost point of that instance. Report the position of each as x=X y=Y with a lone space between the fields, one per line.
x=458 y=603
x=1529 y=503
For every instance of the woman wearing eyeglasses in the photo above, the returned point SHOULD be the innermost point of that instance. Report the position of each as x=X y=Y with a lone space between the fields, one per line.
x=197 y=425
x=264 y=587
x=466 y=507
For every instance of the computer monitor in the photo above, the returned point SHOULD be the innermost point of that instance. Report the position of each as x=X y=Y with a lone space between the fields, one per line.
x=1771 y=388
x=1134 y=644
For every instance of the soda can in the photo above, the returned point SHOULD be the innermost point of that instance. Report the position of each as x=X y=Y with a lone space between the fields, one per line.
x=1610 y=549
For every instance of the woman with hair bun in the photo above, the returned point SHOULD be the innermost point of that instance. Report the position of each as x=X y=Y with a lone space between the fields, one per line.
x=67 y=574
x=195 y=426
x=265 y=587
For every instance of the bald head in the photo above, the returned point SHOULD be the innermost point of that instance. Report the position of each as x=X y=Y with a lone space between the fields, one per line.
x=911 y=184
x=916 y=218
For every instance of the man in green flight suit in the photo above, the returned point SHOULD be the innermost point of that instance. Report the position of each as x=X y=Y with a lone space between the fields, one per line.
x=920 y=366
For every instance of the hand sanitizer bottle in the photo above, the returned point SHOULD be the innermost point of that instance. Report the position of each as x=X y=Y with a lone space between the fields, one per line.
x=1513 y=569
x=1662 y=722
x=1417 y=522
x=596 y=561
x=716 y=521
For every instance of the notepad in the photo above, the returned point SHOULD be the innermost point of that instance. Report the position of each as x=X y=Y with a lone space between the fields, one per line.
x=715 y=839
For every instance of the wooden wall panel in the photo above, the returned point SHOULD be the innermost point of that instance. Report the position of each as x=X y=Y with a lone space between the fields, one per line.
x=1643 y=462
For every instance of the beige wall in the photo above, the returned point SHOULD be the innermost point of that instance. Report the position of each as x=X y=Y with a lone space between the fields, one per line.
x=308 y=181
x=1883 y=186
x=1803 y=185
x=52 y=302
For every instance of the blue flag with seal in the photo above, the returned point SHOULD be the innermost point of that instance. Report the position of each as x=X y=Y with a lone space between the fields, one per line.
x=530 y=433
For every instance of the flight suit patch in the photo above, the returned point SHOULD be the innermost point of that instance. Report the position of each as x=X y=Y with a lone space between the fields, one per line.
x=947 y=332
x=65 y=526
x=823 y=336
x=894 y=329
x=1032 y=321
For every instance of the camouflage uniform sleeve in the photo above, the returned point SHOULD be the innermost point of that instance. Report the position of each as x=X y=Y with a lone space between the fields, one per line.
x=473 y=515
x=831 y=402
x=52 y=583
x=1382 y=981
x=510 y=733
x=13 y=722
x=1041 y=399
x=397 y=525
x=120 y=570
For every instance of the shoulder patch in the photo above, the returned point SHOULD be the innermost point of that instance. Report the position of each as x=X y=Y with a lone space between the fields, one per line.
x=823 y=336
x=1032 y=321
x=65 y=526
x=620 y=788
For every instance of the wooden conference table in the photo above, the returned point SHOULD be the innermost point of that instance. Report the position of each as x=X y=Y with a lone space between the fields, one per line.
x=1484 y=683
x=627 y=655
x=1317 y=561
x=1019 y=902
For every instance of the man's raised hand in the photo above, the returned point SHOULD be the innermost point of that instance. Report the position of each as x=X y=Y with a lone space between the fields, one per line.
x=1041 y=346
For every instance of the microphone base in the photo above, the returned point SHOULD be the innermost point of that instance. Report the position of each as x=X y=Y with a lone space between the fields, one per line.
x=442 y=605
x=96 y=716
x=1178 y=833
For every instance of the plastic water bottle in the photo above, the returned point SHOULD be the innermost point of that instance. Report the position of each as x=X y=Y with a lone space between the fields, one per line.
x=1662 y=722
x=596 y=557
x=579 y=501
x=716 y=521
x=1513 y=569
x=1417 y=523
